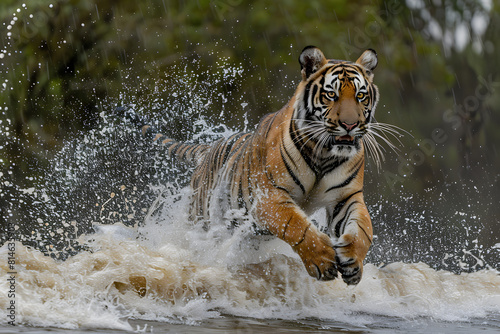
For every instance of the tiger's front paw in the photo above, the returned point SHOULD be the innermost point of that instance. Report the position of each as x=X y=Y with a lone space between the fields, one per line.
x=349 y=263
x=318 y=256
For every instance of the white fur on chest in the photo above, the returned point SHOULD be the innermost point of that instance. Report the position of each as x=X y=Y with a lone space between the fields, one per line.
x=325 y=192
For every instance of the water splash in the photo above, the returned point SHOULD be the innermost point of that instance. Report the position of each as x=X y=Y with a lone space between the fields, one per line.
x=113 y=207
x=121 y=278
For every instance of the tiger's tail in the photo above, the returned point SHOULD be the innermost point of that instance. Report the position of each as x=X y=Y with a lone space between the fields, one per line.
x=185 y=152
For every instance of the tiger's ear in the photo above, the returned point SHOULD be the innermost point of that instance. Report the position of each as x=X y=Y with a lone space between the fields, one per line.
x=368 y=60
x=311 y=59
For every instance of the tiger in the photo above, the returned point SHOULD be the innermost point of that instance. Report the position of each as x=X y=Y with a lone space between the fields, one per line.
x=308 y=155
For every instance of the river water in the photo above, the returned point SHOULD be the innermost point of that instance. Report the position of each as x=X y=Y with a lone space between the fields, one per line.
x=136 y=263
x=197 y=285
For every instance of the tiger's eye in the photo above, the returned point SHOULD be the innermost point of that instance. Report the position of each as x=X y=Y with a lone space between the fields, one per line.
x=331 y=95
x=360 y=95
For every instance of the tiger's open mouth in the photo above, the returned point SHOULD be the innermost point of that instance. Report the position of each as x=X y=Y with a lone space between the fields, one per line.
x=344 y=140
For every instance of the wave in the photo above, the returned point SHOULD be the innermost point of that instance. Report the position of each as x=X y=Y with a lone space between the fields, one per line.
x=173 y=271
x=126 y=275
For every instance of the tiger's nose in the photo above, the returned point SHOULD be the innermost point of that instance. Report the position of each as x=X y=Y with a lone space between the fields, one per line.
x=349 y=126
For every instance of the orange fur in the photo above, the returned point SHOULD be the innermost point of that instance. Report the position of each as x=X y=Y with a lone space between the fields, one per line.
x=306 y=156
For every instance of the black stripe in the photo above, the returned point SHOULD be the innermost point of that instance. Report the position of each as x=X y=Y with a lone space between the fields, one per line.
x=150 y=132
x=174 y=149
x=347 y=181
x=161 y=138
x=220 y=152
x=286 y=227
x=182 y=152
x=233 y=172
x=351 y=71
x=338 y=70
x=269 y=125
x=170 y=143
x=341 y=224
x=334 y=163
x=322 y=80
x=223 y=150
x=347 y=263
x=241 y=199
x=249 y=179
x=189 y=153
x=287 y=153
x=367 y=236
x=306 y=94
x=373 y=95
x=240 y=150
x=270 y=176
x=281 y=188
x=340 y=205
x=313 y=93
x=229 y=145
x=295 y=179
x=302 y=148
x=303 y=236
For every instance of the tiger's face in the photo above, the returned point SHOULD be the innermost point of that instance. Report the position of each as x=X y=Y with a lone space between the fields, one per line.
x=337 y=101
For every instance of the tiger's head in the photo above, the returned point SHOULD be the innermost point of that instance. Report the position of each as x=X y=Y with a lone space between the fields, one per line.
x=335 y=102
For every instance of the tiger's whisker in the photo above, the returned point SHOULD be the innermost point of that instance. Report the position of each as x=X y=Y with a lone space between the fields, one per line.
x=373 y=149
x=386 y=140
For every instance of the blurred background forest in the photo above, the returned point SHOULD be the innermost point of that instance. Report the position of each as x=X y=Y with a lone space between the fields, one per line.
x=61 y=61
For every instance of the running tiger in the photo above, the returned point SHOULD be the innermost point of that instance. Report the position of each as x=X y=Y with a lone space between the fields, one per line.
x=306 y=156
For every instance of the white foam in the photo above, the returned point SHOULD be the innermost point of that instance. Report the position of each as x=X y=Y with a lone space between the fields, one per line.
x=125 y=277
x=172 y=270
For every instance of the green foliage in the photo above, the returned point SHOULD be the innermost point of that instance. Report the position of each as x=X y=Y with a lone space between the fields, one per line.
x=61 y=61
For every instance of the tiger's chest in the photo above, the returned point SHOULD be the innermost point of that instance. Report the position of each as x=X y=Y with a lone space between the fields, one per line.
x=311 y=188
x=328 y=190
